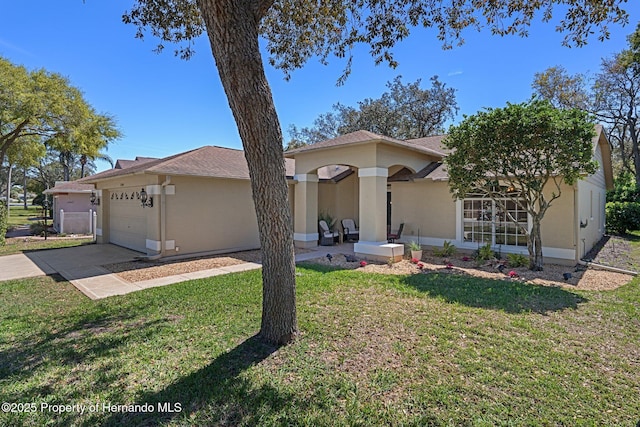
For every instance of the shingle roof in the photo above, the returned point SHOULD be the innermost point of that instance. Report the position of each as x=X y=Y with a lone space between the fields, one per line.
x=69 y=187
x=124 y=163
x=432 y=142
x=208 y=161
x=361 y=137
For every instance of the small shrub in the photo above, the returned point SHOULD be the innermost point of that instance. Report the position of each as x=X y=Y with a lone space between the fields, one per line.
x=517 y=260
x=3 y=223
x=622 y=217
x=484 y=253
x=37 y=228
x=447 y=250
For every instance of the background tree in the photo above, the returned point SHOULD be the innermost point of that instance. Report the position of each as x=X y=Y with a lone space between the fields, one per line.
x=613 y=97
x=295 y=31
x=616 y=94
x=561 y=89
x=523 y=153
x=42 y=107
x=404 y=112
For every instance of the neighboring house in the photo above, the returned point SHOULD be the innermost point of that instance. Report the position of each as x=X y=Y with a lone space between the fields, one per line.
x=202 y=201
x=72 y=209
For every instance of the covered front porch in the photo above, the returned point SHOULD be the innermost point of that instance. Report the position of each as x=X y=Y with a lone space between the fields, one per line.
x=371 y=159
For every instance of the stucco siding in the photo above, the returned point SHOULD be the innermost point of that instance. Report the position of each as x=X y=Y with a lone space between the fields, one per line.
x=210 y=215
x=425 y=207
x=591 y=215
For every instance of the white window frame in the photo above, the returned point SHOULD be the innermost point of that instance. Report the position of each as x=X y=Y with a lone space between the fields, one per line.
x=488 y=209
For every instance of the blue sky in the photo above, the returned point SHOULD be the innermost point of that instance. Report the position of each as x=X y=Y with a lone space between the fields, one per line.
x=165 y=105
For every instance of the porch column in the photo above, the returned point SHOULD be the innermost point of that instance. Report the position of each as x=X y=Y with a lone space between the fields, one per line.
x=305 y=227
x=373 y=217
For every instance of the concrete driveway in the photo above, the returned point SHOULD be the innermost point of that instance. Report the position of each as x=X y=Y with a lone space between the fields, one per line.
x=81 y=265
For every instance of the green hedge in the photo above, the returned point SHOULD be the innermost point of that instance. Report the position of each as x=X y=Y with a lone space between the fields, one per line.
x=623 y=217
x=3 y=223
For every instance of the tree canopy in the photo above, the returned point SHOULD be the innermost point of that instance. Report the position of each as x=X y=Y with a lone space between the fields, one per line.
x=40 y=110
x=523 y=153
x=406 y=111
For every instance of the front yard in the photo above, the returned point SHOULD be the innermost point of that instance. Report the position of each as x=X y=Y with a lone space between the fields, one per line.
x=435 y=349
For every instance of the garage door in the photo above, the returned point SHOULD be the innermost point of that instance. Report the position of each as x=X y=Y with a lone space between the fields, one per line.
x=127 y=219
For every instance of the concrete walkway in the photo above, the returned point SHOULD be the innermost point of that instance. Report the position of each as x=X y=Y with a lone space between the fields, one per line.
x=81 y=266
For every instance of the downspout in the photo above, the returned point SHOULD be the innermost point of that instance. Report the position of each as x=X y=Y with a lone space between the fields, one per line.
x=576 y=223
x=607 y=268
x=163 y=215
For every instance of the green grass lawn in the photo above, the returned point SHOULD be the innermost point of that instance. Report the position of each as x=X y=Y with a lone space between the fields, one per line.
x=14 y=246
x=19 y=216
x=418 y=350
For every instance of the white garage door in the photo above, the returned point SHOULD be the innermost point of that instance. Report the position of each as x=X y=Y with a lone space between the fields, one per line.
x=127 y=219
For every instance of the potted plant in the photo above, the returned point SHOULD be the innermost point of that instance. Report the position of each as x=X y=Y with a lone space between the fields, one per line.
x=416 y=250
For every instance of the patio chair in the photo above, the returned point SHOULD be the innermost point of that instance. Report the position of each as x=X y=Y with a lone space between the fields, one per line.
x=351 y=232
x=392 y=237
x=327 y=237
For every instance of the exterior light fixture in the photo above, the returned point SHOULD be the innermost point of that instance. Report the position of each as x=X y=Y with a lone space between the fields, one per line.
x=147 y=202
x=95 y=200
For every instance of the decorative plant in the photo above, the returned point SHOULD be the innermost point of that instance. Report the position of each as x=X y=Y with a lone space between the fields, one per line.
x=415 y=260
x=414 y=246
x=484 y=253
x=517 y=260
x=327 y=217
x=447 y=250
x=513 y=274
x=420 y=265
x=363 y=263
x=466 y=258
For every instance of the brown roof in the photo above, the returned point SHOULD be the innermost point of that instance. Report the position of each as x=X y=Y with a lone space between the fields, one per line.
x=432 y=142
x=436 y=171
x=208 y=161
x=124 y=163
x=69 y=187
x=361 y=137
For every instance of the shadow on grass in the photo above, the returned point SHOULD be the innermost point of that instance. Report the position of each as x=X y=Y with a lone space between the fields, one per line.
x=508 y=296
x=218 y=393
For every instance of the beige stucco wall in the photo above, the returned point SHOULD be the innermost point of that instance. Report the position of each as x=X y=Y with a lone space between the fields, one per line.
x=339 y=199
x=558 y=224
x=425 y=206
x=210 y=215
x=362 y=156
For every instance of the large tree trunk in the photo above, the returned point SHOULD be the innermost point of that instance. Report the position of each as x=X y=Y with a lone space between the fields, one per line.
x=232 y=26
x=534 y=244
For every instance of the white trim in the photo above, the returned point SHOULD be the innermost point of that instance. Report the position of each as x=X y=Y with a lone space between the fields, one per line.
x=547 y=252
x=380 y=249
x=305 y=237
x=154 y=245
x=306 y=177
x=169 y=245
x=154 y=190
x=378 y=172
x=459 y=219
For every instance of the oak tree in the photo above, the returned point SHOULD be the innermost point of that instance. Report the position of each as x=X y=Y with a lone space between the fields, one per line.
x=523 y=153
x=295 y=31
x=406 y=111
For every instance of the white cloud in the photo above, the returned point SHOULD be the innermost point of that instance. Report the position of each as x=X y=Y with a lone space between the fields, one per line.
x=454 y=73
